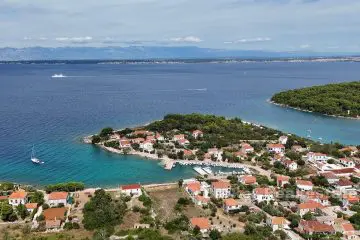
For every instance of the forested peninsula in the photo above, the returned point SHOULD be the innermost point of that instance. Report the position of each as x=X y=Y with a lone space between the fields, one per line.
x=340 y=99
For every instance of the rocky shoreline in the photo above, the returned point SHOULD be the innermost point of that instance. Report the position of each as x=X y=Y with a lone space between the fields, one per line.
x=308 y=111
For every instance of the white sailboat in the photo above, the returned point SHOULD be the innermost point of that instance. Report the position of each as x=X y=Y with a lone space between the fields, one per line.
x=33 y=158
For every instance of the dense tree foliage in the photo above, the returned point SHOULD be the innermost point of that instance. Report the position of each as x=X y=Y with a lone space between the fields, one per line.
x=102 y=212
x=342 y=99
x=7 y=212
x=66 y=187
x=219 y=131
x=37 y=197
x=180 y=223
x=6 y=186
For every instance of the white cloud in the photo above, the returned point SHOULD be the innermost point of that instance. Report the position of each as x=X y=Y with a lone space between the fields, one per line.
x=86 y=39
x=242 y=24
x=187 y=39
x=250 y=40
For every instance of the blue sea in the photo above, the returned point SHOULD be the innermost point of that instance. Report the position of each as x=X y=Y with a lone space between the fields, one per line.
x=54 y=113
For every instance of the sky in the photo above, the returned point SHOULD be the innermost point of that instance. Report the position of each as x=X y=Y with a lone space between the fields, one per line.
x=274 y=25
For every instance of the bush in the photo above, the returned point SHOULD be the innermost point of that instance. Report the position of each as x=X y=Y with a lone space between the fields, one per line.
x=178 y=224
x=95 y=139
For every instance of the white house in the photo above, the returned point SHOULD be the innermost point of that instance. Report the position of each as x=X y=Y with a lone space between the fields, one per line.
x=247 y=179
x=230 y=205
x=178 y=137
x=298 y=148
x=201 y=200
x=310 y=206
x=246 y=148
x=147 y=145
x=343 y=185
x=351 y=149
x=124 y=143
x=202 y=223
x=330 y=176
x=17 y=198
x=291 y=165
x=131 y=190
x=216 y=153
x=56 y=198
x=159 y=137
x=277 y=223
x=347 y=162
x=306 y=196
x=262 y=194
x=275 y=148
x=193 y=188
x=304 y=185
x=197 y=133
x=30 y=207
x=220 y=189
x=317 y=157
x=283 y=139
x=183 y=142
x=282 y=180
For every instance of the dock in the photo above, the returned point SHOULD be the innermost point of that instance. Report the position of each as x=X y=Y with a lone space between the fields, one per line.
x=200 y=171
x=168 y=165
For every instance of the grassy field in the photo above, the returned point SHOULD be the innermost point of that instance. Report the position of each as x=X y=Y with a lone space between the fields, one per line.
x=165 y=200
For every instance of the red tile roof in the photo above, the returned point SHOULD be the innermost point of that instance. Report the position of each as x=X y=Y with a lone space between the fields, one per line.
x=304 y=182
x=263 y=191
x=343 y=171
x=187 y=152
x=194 y=186
x=348 y=227
x=282 y=178
x=329 y=175
x=3 y=197
x=316 y=227
x=202 y=198
x=310 y=205
x=351 y=198
x=202 y=223
x=18 y=195
x=55 y=213
x=275 y=146
x=31 y=205
x=344 y=182
x=249 y=179
x=220 y=184
x=130 y=186
x=230 y=202
x=58 y=195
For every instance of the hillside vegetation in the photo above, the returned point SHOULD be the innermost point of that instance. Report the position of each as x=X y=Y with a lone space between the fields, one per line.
x=342 y=99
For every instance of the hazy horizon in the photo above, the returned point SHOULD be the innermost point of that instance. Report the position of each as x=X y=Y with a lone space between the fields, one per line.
x=329 y=26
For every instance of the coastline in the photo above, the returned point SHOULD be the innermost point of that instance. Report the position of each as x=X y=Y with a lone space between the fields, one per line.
x=308 y=111
x=166 y=162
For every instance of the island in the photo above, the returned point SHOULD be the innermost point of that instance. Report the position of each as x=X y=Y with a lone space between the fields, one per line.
x=210 y=141
x=296 y=188
x=340 y=99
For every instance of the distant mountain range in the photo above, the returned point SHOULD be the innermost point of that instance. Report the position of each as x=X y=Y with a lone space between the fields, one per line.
x=145 y=52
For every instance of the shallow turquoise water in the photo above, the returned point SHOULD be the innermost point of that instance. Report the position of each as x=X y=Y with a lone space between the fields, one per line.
x=54 y=113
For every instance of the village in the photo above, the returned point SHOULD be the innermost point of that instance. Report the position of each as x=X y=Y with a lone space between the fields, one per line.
x=280 y=188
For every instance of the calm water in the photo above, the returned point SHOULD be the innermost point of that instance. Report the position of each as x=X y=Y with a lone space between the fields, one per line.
x=54 y=113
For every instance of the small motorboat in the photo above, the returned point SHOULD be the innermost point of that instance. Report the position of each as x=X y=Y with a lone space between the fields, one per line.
x=33 y=158
x=58 y=75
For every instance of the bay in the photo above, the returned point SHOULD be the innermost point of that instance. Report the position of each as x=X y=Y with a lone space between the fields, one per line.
x=54 y=113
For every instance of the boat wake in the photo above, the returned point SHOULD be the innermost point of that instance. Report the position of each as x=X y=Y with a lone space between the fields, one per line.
x=65 y=76
x=196 y=89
